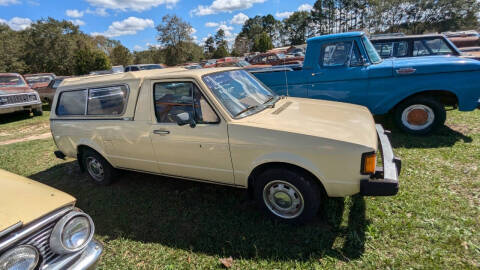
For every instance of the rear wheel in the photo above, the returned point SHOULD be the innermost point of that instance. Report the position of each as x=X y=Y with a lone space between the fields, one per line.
x=287 y=195
x=99 y=170
x=420 y=115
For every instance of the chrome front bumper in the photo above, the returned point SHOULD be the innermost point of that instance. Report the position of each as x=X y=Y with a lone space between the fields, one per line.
x=385 y=180
x=10 y=108
x=85 y=260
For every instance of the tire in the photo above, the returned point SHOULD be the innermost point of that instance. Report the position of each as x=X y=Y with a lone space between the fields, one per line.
x=420 y=115
x=37 y=112
x=99 y=170
x=287 y=195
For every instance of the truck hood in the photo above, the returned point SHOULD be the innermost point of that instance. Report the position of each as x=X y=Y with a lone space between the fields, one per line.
x=14 y=90
x=331 y=120
x=24 y=200
x=435 y=64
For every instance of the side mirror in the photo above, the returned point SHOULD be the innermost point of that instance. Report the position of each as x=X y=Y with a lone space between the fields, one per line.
x=359 y=63
x=185 y=119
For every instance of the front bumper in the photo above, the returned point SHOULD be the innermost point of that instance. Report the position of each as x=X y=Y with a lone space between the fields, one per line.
x=10 y=108
x=85 y=260
x=385 y=180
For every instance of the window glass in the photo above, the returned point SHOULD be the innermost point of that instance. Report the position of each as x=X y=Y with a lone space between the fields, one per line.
x=72 y=103
x=384 y=49
x=419 y=49
x=174 y=98
x=107 y=100
x=57 y=83
x=355 y=58
x=372 y=53
x=11 y=81
x=336 y=54
x=239 y=92
x=402 y=49
x=438 y=46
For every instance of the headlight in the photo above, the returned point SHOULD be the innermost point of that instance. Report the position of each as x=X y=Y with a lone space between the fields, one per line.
x=72 y=233
x=22 y=257
x=32 y=97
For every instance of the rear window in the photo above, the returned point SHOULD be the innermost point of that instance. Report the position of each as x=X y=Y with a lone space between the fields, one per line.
x=103 y=101
x=72 y=103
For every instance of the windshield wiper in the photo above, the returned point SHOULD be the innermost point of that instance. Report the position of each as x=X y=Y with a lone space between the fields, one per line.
x=270 y=98
x=251 y=107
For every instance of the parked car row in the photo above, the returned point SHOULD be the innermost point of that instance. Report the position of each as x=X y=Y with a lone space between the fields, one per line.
x=17 y=95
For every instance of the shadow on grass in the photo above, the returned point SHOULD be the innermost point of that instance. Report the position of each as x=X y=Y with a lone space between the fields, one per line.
x=207 y=218
x=14 y=117
x=19 y=116
x=443 y=137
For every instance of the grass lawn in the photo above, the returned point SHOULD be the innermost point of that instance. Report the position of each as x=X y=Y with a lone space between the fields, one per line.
x=150 y=222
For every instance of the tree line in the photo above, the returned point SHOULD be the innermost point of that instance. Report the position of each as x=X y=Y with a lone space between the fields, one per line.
x=260 y=33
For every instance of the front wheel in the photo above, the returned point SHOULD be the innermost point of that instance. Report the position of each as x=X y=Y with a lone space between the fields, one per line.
x=420 y=115
x=287 y=195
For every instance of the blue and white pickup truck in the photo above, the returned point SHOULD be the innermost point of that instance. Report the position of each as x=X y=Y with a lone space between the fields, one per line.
x=346 y=67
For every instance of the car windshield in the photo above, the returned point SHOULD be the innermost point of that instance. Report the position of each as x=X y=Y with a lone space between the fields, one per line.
x=149 y=67
x=11 y=81
x=371 y=51
x=239 y=92
x=281 y=55
x=39 y=79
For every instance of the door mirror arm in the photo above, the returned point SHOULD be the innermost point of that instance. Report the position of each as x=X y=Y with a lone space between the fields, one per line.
x=185 y=119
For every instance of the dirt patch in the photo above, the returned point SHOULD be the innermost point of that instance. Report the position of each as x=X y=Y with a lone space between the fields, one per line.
x=464 y=129
x=30 y=138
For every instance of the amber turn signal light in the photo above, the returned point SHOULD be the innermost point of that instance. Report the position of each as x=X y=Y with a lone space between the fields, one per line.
x=369 y=161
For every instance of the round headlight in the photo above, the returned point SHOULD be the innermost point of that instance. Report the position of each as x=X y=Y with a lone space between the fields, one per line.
x=22 y=257
x=76 y=232
x=72 y=233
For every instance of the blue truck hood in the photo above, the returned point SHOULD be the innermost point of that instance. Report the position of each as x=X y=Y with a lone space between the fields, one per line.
x=435 y=64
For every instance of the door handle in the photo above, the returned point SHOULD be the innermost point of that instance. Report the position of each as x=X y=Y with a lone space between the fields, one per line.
x=161 y=132
x=315 y=74
x=406 y=71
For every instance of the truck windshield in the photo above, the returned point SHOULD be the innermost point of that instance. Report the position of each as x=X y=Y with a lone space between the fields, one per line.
x=11 y=81
x=371 y=51
x=239 y=92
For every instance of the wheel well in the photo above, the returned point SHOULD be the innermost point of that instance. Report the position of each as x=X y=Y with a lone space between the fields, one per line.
x=447 y=98
x=80 y=150
x=263 y=167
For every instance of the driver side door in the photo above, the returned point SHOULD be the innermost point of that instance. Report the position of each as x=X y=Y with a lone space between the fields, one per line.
x=196 y=151
x=340 y=73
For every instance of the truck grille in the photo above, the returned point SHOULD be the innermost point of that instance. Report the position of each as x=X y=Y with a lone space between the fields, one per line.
x=14 y=99
x=41 y=240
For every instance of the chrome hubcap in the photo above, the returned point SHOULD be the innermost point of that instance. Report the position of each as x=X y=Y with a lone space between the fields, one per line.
x=95 y=168
x=418 y=117
x=283 y=199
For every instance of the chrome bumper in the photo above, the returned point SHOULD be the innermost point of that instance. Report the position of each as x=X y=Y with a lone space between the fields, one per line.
x=85 y=260
x=385 y=180
x=10 y=108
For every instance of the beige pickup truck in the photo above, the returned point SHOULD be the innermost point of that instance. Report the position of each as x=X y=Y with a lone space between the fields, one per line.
x=223 y=126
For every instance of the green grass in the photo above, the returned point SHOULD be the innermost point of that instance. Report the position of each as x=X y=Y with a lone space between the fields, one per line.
x=22 y=125
x=150 y=222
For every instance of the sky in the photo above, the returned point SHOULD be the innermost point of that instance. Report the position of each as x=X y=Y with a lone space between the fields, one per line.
x=133 y=21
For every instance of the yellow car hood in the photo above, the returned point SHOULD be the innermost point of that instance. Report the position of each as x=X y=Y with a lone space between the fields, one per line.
x=332 y=120
x=24 y=200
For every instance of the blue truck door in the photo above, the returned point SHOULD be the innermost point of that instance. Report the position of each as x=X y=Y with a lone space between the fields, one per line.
x=340 y=73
